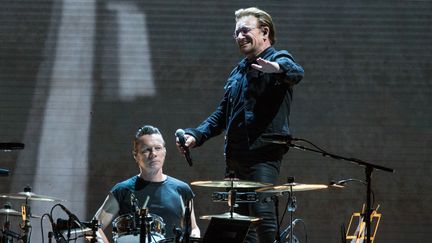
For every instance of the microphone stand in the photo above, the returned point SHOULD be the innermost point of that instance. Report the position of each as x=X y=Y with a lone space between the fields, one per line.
x=369 y=167
x=143 y=225
x=187 y=232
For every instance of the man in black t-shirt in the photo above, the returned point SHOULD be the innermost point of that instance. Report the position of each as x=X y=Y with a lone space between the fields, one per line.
x=166 y=195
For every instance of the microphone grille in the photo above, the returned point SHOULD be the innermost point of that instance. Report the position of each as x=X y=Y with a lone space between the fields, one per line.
x=180 y=132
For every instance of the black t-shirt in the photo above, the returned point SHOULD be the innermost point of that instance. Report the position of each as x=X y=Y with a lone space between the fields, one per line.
x=166 y=198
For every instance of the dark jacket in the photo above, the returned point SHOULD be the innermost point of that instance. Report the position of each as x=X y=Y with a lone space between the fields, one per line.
x=254 y=103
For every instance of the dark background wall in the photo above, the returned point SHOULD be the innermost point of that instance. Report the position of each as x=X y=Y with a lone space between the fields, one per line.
x=77 y=78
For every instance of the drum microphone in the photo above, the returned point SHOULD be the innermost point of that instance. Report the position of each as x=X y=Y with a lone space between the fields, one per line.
x=71 y=215
x=181 y=138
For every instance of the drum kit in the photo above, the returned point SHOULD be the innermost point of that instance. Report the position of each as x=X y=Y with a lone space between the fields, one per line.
x=232 y=197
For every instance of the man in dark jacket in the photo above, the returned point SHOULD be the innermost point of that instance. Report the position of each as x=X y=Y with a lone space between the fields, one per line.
x=257 y=100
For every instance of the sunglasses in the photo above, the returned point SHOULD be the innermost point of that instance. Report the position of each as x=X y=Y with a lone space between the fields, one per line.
x=244 y=30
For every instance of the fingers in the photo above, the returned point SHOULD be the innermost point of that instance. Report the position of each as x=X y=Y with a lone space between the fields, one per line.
x=189 y=143
x=257 y=67
x=262 y=61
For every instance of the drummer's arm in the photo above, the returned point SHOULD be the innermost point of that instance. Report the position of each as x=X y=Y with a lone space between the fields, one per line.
x=195 y=229
x=105 y=215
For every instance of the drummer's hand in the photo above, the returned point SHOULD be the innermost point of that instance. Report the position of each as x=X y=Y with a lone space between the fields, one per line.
x=190 y=143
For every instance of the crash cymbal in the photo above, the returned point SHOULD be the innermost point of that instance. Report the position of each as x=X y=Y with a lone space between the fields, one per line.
x=236 y=183
x=31 y=196
x=296 y=187
x=227 y=215
x=12 y=212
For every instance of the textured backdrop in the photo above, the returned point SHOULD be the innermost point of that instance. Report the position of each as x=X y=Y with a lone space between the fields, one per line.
x=77 y=78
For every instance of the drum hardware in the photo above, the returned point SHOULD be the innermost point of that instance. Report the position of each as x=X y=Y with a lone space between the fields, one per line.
x=25 y=225
x=6 y=234
x=140 y=225
x=241 y=197
x=368 y=168
x=288 y=188
x=228 y=215
x=94 y=228
x=28 y=195
x=230 y=183
x=231 y=196
x=127 y=228
x=144 y=225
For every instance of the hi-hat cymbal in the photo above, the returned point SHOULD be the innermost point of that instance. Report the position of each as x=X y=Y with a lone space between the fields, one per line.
x=296 y=187
x=12 y=212
x=227 y=215
x=31 y=196
x=236 y=183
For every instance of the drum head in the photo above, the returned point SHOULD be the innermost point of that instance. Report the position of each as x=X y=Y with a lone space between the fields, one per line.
x=155 y=238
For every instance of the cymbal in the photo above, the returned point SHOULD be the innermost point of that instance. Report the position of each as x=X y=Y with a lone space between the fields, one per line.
x=296 y=187
x=227 y=183
x=77 y=231
x=227 y=215
x=31 y=196
x=12 y=212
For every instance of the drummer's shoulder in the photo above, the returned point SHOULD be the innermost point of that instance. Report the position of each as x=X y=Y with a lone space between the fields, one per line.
x=126 y=184
x=176 y=181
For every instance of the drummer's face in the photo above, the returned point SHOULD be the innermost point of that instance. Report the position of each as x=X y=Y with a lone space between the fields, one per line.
x=151 y=152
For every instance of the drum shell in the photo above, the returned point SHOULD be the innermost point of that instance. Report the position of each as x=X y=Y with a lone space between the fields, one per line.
x=126 y=228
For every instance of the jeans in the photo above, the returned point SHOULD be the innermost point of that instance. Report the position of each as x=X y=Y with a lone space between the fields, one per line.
x=259 y=171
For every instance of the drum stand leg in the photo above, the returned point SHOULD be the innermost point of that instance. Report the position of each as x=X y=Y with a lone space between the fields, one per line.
x=276 y=204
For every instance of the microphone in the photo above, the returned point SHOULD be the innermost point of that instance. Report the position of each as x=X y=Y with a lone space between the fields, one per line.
x=180 y=135
x=71 y=215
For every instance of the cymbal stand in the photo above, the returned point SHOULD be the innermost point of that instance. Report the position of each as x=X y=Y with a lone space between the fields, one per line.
x=25 y=225
x=7 y=234
x=145 y=221
x=292 y=201
x=26 y=215
x=232 y=196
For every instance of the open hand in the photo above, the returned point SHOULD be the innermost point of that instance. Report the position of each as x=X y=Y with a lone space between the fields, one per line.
x=266 y=66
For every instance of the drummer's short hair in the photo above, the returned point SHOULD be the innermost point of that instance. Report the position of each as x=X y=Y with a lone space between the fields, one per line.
x=144 y=130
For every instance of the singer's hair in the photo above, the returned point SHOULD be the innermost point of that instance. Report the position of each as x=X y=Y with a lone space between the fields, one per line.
x=264 y=19
x=144 y=130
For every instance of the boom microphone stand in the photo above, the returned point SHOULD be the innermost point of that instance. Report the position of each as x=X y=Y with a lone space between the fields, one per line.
x=369 y=167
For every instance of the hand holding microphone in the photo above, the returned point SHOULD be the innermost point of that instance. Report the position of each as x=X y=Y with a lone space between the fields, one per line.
x=184 y=142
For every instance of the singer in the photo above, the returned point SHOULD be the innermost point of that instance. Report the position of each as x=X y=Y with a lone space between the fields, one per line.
x=257 y=100
x=168 y=195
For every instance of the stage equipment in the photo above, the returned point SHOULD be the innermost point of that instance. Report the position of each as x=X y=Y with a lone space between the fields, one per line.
x=368 y=167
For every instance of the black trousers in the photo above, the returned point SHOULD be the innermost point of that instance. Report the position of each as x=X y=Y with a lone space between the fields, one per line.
x=259 y=171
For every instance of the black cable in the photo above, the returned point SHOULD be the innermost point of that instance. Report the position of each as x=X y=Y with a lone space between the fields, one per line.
x=283 y=215
x=309 y=142
x=41 y=221
x=304 y=228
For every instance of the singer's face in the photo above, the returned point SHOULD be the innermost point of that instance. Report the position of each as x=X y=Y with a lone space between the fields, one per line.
x=151 y=153
x=248 y=36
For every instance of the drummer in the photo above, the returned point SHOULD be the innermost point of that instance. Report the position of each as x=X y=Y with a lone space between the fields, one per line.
x=167 y=195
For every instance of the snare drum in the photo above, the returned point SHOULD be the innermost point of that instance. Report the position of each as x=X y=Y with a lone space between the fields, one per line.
x=126 y=229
